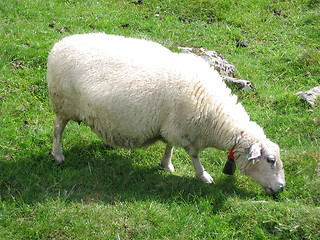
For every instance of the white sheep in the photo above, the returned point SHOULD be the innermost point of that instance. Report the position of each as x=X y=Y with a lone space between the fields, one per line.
x=133 y=92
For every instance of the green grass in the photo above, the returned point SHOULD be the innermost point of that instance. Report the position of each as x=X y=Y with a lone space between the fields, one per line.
x=105 y=193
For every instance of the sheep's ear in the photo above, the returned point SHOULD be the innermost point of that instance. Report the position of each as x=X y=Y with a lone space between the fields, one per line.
x=255 y=151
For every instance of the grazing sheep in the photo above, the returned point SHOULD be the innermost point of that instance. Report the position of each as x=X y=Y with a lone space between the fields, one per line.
x=134 y=92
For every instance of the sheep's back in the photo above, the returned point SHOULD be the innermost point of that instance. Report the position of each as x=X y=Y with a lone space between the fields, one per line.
x=131 y=91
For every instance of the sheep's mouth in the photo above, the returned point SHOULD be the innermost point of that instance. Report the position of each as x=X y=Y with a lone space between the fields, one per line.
x=269 y=190
x=272 y=191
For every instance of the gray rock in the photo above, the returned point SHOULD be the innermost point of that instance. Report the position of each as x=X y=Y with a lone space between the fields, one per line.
x=219 y=63
x=310 y=96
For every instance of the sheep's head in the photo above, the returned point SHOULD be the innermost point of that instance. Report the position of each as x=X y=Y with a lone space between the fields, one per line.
x=262 y=162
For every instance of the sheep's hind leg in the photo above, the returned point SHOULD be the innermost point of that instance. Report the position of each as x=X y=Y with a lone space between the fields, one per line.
x=201 y=173
x=166 y=159
x=59 y=125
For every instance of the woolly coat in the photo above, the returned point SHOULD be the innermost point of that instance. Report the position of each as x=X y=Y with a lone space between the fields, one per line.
x=133 y=92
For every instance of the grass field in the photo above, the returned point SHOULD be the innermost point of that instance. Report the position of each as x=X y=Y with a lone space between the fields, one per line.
x=105 y=193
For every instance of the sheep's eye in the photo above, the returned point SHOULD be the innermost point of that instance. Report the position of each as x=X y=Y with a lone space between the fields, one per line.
x=271 y=159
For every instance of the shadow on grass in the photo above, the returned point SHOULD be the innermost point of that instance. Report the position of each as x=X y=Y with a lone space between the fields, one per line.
x=98 y=173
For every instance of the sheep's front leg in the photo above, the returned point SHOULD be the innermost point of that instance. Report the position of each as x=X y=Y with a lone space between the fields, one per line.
x=201 y=173
x=166 y=159
x=59 y=125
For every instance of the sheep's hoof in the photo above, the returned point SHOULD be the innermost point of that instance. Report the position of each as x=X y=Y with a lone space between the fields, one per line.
x=58 y=158
x=169 y=168
x=205 y=177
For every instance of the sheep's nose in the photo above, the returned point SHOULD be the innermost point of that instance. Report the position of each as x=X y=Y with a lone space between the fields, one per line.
x=277 y=188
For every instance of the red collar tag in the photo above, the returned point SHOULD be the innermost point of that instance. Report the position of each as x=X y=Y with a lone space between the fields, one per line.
x=231 y=154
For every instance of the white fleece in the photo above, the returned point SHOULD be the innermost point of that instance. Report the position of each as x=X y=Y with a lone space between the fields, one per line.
x=133 y=92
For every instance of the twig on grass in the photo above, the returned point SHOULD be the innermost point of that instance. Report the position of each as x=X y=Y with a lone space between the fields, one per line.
x=13 y=149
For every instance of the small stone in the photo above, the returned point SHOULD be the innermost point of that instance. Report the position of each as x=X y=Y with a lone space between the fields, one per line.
x=17 y=64
x=63 y=29
x=307 y=74
x=33 y=88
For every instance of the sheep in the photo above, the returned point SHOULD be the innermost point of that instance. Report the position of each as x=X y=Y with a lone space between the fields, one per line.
x=134 y=92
